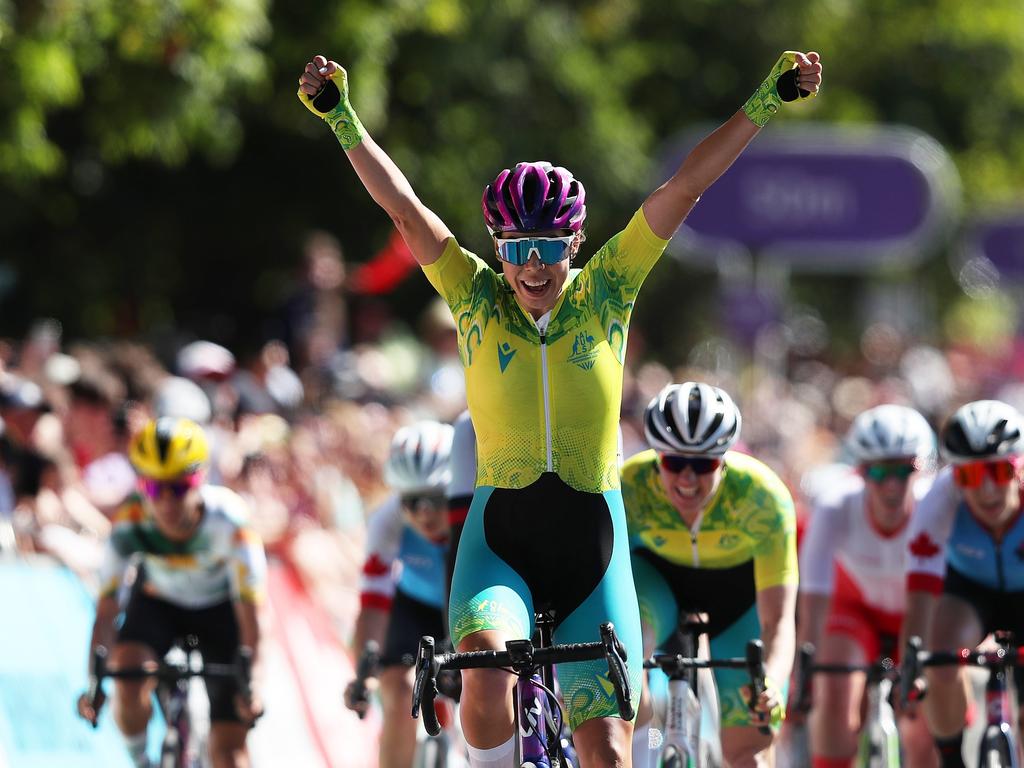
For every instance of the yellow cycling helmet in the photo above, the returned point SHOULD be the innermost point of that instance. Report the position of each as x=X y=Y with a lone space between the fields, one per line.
x=169 y=447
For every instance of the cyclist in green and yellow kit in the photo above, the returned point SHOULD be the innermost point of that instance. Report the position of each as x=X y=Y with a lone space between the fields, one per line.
x=713 y=531
x=543 y=348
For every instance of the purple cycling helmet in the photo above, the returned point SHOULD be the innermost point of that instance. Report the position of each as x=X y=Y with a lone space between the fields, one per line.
x=533 y=198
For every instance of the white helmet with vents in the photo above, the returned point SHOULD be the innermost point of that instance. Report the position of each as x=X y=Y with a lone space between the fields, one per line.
x=419 y=458
x=890 y=432
x=692 y=418
x=984 y=429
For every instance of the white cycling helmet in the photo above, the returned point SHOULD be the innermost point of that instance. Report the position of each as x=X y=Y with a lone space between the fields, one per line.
x=419 y=458
x=890 y=432
x=984 y=429
x=692 y=418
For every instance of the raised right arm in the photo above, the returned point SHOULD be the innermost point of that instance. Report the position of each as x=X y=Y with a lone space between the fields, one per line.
x=323 y=89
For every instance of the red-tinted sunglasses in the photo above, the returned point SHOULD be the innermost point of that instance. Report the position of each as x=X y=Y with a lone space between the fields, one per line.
x=178 y=488
x=701 y=465
x=972 y=475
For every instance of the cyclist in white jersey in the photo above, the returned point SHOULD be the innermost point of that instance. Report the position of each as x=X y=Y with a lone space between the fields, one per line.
x=852 y=575
x=403 y=586
x=201 y=571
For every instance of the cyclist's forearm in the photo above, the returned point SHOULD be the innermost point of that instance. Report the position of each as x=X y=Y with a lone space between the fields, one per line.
x=917 y=618
x=779 y=650
x=372 y=624
x=423 y=231
x=103 y=627
x=775 y=608
x=669 y=205
x=247 y=615
x=812 y=612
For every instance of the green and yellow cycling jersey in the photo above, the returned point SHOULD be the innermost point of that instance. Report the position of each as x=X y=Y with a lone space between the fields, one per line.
x=750 y=516
x=547 y=402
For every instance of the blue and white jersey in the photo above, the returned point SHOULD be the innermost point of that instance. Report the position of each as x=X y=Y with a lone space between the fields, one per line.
x=398 y=556
x=945 y=534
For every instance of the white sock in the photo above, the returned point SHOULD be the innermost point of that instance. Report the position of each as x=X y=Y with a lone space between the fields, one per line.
x=495 y=757
x=642 y=746
x=137 y=749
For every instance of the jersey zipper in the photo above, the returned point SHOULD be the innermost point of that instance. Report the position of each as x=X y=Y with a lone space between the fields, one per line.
x=999 y=566
x=547 y=399
x=693 y=538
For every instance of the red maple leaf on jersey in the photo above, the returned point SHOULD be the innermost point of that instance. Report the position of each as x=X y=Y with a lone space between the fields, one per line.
x=923 y=546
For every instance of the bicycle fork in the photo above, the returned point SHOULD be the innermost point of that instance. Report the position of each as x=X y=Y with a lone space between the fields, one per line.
x=880 y=741
x=682 y=720
x=999 y=736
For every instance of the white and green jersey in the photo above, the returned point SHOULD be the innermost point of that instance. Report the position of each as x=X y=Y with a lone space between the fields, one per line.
x=223 y=559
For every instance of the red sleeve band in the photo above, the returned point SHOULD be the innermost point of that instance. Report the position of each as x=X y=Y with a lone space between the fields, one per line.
x=374 y=600
x=924 y=582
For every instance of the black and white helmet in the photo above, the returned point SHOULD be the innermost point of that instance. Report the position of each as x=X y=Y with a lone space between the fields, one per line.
x=890 y=432
x=692 y=418
x=984 y=429
x=419 y=458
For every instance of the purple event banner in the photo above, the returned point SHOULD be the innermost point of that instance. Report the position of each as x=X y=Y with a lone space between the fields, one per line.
x=826 y=197
x=1001 y=241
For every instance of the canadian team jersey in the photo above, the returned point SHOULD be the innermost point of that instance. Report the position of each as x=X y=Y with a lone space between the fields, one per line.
x=547 y=401
x=223 y=559
x=397 y=556
x=944 y=532
x=750 y=516
x=841 y=535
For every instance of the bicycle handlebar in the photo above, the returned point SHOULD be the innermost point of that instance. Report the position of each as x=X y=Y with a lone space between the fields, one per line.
x=806 y=669
x=369 y=660
x=523 y=658
x=915 y=660
x=753 y=662
x=755 y=668
x=240 y=671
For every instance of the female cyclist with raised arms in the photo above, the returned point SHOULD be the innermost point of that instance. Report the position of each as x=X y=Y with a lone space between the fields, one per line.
x=543 y=348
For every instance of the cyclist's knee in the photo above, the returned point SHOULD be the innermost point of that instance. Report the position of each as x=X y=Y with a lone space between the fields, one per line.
x=604 y=742
x=395 y=691
x=482 y=686
x=227 y=745
x=837 y=707
x=945 y=679
x=133 y=695
x=917 y=742
x=746 y=747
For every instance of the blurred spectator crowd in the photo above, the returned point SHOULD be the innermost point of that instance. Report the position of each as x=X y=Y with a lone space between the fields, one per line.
x=301 y=428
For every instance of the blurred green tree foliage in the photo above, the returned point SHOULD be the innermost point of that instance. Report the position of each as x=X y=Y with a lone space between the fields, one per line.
x=152 y=153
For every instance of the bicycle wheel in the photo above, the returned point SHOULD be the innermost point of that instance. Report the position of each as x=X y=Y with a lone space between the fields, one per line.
x=673 y=758
x=432 y=752
x=997 y=748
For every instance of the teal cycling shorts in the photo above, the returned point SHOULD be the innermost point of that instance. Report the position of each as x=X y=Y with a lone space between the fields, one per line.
x=549 y=547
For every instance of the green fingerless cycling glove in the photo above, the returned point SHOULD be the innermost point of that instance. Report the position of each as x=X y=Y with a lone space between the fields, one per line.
x=332 y=105
x=780 y=86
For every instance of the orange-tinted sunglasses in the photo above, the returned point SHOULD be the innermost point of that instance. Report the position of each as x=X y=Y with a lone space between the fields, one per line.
x=972 y=475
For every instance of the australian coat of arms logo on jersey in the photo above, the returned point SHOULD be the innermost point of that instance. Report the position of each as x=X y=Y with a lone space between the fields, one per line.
x=584 y=352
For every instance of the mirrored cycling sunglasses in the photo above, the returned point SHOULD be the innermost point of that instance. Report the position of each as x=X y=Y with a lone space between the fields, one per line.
x=519 y=250
x=414 y=503
x=701 y=465
x=178 y=488
x=972 y=475
x=879 y=473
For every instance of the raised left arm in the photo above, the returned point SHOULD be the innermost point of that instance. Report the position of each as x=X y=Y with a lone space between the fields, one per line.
x=795 y=76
